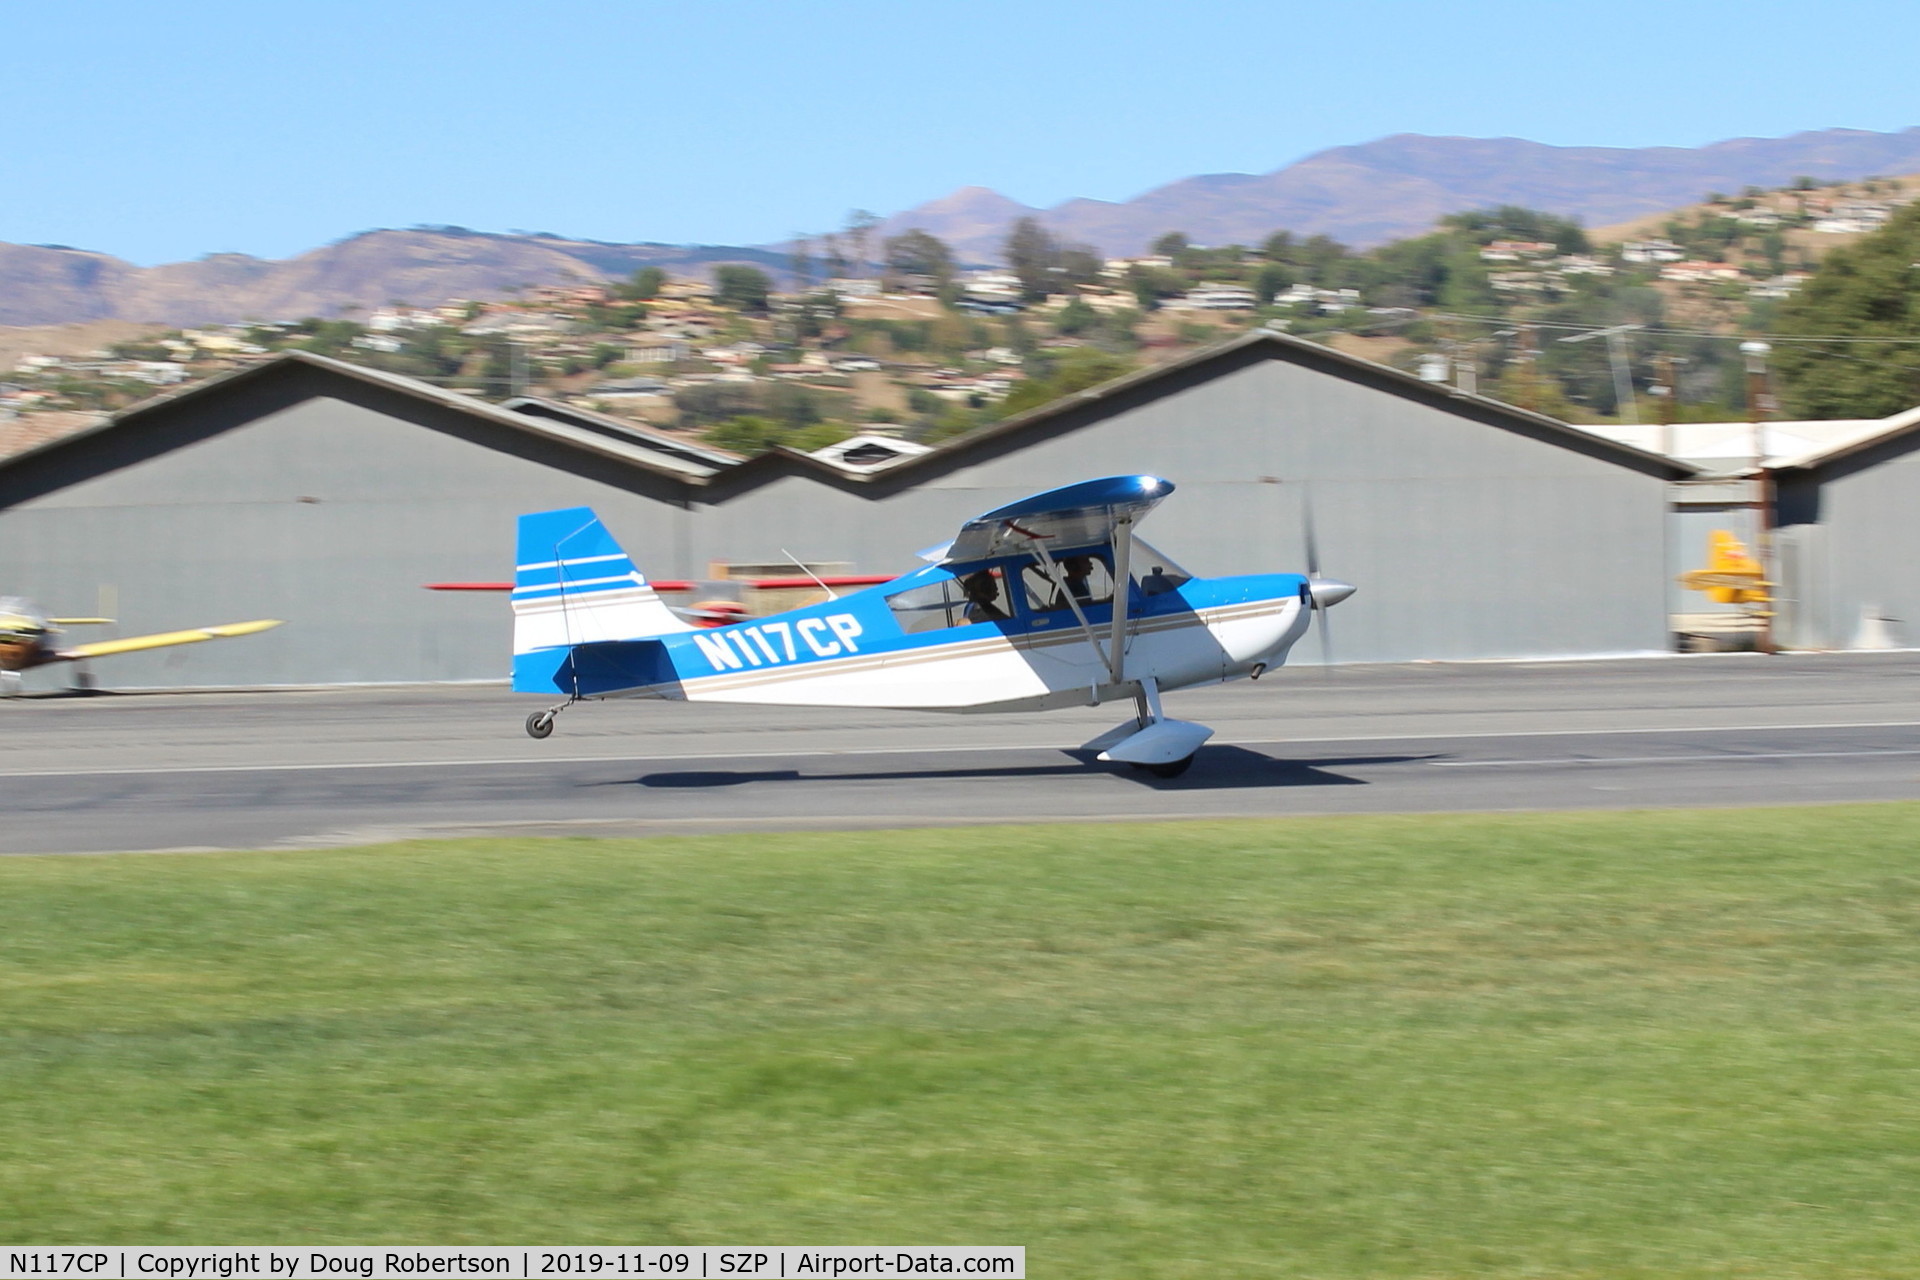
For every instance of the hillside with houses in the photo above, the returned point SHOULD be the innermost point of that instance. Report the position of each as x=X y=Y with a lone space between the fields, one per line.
x=901 y=340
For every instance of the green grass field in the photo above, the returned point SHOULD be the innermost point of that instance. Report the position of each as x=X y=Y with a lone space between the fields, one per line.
x=1659 y=1044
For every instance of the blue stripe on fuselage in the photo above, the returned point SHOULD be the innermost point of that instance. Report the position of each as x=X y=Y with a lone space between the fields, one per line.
x=856 y=625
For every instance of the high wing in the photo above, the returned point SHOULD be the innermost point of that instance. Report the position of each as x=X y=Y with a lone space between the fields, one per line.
x=1077 y=515
x=165 y=639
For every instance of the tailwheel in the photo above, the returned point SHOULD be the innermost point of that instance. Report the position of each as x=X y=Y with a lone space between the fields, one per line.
x=540 y=724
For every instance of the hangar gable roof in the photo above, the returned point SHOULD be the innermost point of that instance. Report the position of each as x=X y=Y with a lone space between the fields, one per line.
x=780 y=462
x=1886 y=430
x=641 y=454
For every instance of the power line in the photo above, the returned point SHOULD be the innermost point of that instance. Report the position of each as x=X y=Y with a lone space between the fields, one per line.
x=1676 y=333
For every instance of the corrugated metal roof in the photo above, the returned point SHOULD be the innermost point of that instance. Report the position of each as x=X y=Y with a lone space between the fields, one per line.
x=1886 y=429
x=624 y=428
x=649 y=455
x=627 y=451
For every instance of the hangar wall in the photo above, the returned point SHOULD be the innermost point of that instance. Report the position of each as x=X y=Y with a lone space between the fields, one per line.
x=1469 y=536
x=313 y=496
x=329 y=511
x=1855 y=545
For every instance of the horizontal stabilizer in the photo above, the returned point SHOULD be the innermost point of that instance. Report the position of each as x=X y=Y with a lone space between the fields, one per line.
x=590 y=670
x=167 y=639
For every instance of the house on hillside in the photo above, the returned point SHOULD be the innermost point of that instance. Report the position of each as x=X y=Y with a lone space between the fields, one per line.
x=1221 y=297
x=658 y=348
x=1514 y=250
x=1645 y=251
x=1699 y=272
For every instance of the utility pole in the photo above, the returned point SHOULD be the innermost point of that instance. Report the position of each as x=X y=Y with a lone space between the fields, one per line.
x=1760 y=408
x=1464 y=374
x=516 y=369
x=1529 y=367
x=1622 y=371
x=1667 y=388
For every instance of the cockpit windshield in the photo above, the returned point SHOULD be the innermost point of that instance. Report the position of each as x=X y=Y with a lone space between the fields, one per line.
x=20 y=620
x=1156 y=572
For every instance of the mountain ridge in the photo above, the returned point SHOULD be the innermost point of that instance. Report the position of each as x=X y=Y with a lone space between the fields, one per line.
x=1368 y=193
x=1362 y=194
x=425 y=266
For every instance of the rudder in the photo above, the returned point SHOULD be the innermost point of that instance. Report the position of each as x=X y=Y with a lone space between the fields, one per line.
x=573 y=584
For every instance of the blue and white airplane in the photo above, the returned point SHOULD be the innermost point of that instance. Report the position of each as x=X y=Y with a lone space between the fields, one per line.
x=1017 y=613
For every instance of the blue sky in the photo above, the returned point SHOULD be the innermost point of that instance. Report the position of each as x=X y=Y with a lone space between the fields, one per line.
x=164 y=132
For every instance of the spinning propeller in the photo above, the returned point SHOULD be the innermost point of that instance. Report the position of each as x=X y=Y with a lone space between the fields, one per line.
x=1322 y=593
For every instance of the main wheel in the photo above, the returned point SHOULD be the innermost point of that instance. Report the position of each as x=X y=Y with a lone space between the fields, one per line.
x=1173 y=769
x=540 y=724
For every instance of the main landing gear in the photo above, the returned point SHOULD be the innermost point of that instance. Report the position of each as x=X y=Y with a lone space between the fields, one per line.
x=1150 y=741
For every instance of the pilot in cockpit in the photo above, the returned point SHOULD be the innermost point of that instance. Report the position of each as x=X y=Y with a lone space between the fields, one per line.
x=1077 y=571
x=983 y=597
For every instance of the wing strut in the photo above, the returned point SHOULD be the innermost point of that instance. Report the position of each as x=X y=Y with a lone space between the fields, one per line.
x=1122 y=592
x=1059 y=581
x=1113 y=654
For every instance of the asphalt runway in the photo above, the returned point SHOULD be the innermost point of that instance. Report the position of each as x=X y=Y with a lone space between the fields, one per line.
x=317 y=768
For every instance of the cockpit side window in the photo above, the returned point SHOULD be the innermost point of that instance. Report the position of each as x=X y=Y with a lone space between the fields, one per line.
x=1088 y=579
x=980 y=596
x=936 y=606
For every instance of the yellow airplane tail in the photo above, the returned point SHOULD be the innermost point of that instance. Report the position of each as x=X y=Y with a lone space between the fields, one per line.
x=1732 y=575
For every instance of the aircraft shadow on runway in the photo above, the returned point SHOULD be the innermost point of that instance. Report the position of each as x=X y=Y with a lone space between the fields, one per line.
x=54 y=695
x=1218 y=768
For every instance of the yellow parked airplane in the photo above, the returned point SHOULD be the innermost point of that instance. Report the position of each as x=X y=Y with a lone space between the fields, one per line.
x=1732 y=576
x=27 y=639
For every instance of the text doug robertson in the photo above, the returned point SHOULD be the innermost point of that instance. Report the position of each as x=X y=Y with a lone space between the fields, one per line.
x=318 y=1264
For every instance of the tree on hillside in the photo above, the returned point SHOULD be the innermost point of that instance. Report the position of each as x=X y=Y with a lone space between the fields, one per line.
x=800 y=263
x=1870 y=289
x=741 y=287
x=642 y=286
x=1516 y=222
x=1073 y=369
x=1032 y=254
x=1075 y=319
x=1080 y=265
x=919 y=253
x=833 y=258
x=860 y=228
x=1151 y=284
x=748 y=434
x=1172 y=245
x=1271 y=279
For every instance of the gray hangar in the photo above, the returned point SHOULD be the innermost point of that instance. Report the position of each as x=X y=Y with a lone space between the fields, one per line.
x=325 y=494
x=1848 y=541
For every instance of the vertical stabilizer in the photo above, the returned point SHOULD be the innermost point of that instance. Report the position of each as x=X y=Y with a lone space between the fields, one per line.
x=572 y=584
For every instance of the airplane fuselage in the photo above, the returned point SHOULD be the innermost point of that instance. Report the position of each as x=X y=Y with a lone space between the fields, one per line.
x=856 y=652
x=24 y=636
